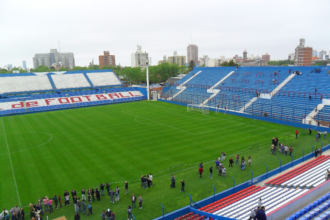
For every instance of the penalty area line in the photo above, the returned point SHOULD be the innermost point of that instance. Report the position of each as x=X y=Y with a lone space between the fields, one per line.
x=11 y=164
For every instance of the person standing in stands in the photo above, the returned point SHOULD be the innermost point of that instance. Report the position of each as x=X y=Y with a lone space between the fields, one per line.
x=211 y=171
x=231 y=161
x=297 y=132
x=182 y=186
x=260 y=203
x=261 y=215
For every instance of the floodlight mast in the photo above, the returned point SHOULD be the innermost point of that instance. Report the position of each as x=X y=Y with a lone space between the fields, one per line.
x=148 y=80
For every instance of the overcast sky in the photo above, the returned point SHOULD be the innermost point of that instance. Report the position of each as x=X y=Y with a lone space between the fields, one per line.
x=218 y=27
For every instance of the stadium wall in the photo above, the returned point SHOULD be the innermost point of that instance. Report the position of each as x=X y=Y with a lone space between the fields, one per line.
x=272 y=120
x=194 y=206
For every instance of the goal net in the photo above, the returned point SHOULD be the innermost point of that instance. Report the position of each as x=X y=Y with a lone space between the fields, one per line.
x=198 y=108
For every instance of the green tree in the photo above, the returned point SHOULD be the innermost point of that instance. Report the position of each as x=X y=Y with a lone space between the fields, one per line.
x=42 y=68
x=94 y=67
x=64 y=69
x=230 y=63
x=191 y=65
x=4 y=71
x=77 y=68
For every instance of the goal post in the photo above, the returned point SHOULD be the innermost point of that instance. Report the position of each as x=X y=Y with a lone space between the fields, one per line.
x=198 y=108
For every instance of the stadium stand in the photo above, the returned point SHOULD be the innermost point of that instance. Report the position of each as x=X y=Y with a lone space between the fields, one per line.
x=258 y=91
x=24 y=83
x=70 y=81
x=301 y=176
x=191 y=216
x=317 y=210
x=51 y=91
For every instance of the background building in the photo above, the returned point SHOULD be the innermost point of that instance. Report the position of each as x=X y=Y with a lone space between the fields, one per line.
x=244 y=55
x=192 y=53
x=291 y=56
x=139 y=59
x=322 y=54
x=107 y=59
x=265 y=57
x=180 y=60
x=66 y=60
x=303 y=55
x=24 y=65
x=10 y=66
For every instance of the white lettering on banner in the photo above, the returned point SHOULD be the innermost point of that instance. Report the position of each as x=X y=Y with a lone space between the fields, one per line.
x=69 y=100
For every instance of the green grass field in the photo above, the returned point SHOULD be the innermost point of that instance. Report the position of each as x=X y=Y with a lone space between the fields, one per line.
x=46 y=153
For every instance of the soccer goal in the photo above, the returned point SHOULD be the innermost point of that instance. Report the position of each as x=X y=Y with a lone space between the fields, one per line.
x=198 y=108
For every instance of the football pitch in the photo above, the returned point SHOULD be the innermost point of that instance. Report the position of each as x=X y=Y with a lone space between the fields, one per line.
x=44 y=154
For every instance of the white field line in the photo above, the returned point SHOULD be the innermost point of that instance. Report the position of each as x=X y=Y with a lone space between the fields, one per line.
x=11 y=164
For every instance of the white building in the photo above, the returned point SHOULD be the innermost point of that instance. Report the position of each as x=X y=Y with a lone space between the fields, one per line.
x=322 y=54
x=291 y=56
x=139 y=58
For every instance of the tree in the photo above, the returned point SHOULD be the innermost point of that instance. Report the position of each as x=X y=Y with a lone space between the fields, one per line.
x=94 y=67
x=77 y=68
x=64 y=69
x=42 y=68
x=230 y=63
x=191 y=65
x=183 y=69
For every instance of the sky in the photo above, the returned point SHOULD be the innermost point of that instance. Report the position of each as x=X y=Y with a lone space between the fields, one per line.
x=218 y=27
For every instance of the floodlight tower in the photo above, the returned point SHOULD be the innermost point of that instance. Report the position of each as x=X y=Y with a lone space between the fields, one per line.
x=147 y=64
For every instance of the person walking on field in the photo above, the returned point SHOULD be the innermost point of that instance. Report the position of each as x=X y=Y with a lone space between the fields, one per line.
x=133 y=201
x=172 y=181
x=237 y=160
x=217 y=163
x=297 y=132
x=291 y=150
x=103 y=215
x=231 y=161
x=90 y=209
x=286 y=149
x=310 y=130
x=211 y=171
x=325 y=135
x=182 y=186
x=151 y=178
x=112 y=195
x=200 y=170
x=126 y=187
x=249 y=160
x=129 y=212
x=140 y=201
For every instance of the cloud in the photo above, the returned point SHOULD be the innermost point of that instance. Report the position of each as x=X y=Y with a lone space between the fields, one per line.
x=225 y=27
